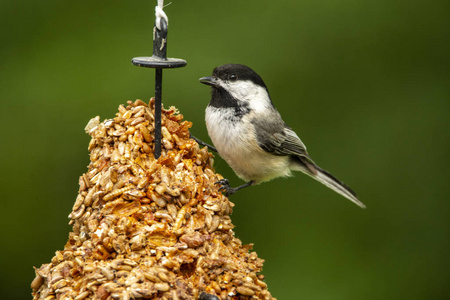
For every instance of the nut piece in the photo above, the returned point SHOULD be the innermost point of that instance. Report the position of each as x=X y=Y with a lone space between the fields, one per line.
x=245 y=291
x=193 y=240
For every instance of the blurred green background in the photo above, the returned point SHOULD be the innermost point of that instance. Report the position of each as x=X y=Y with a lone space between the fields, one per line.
x=366 y=85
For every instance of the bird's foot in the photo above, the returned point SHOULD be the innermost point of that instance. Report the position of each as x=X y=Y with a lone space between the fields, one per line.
x=225 y=187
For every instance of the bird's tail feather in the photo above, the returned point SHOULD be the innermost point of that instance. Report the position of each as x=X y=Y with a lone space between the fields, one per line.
x=311 y=169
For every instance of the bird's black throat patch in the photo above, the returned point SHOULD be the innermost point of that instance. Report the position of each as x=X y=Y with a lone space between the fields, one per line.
x=221 y=98
x=235 y=110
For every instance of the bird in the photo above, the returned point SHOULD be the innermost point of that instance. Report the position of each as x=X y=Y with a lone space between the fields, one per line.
x=249 y=133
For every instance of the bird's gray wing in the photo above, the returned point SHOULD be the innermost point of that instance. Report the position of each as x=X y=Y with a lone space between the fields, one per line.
x=275 y=137
x=287 y=142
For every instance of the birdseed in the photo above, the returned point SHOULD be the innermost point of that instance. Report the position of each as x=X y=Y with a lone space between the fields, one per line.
x=147 y=228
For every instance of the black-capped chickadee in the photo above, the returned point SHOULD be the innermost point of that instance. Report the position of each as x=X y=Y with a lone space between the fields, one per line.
x=250 y=135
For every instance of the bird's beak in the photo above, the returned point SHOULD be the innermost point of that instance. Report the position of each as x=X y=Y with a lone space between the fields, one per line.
x=208 y=81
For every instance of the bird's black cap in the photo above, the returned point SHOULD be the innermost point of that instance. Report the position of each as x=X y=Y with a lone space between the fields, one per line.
x=238 y=72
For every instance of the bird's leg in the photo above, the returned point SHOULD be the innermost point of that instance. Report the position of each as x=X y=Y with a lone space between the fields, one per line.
x=225 y=186
x=200 y=142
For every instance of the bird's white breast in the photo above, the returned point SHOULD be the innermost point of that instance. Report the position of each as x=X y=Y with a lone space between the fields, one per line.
x=235 y=140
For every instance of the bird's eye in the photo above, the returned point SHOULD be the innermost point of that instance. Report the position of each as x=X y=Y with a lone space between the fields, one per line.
x=232 y=77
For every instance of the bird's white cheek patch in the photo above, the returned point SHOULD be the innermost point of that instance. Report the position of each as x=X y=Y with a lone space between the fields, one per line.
x=240 y=89
x=247 y=92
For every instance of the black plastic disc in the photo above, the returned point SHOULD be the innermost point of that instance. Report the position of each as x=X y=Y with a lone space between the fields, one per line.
x=156 y=62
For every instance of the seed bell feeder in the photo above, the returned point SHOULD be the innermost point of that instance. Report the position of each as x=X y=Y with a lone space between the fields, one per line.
x=159 y=61
x=98 y=246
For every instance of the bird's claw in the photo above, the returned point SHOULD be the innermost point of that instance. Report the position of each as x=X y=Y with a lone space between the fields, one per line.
x=223 y=182
x=225 y=186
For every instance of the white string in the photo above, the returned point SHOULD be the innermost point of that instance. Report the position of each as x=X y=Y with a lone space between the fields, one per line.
x=160 y=14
